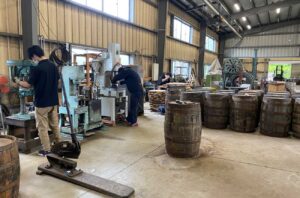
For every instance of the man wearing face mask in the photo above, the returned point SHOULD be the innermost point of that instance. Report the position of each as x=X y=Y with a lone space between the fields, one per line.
x=44 y=79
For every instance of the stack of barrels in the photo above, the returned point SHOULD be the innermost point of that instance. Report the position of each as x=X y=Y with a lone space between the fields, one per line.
x=9 y=167
x=156 y=99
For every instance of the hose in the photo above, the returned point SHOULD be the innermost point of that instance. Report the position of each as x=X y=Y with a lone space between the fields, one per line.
x=60 y=55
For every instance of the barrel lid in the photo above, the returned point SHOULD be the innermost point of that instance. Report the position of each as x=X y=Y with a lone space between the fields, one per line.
x=176 y=84
x=182 y=103
x=6 y=141
x=158 y=90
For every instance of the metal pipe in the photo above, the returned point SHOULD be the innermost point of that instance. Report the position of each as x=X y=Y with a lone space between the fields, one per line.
x=222 y=18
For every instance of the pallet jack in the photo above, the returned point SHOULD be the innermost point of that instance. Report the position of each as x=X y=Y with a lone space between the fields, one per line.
x=60 y=166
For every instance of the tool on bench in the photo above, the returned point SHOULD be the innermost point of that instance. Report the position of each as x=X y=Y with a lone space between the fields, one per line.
x=62 y=167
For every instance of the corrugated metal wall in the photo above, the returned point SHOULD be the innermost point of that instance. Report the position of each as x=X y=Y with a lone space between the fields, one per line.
x=282 y=42
x=176 y=49
x=65 y=22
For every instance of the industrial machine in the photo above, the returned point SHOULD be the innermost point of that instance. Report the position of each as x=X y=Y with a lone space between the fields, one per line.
x=84 y=106
x=21 y=69
x=234 y=74
x=114 y=100
x=77 y=103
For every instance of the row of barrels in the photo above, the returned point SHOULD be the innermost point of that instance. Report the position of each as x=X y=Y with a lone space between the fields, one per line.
x=276 y=113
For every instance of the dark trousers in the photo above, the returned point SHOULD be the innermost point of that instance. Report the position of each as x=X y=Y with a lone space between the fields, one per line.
x=132 y=111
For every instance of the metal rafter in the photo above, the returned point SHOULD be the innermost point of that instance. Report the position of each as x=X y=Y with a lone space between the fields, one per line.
x=266 y=8
x=267 y=28
x=289 y=13
x=257 y=16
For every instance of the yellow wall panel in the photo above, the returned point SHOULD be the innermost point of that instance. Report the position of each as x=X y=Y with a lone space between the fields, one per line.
x=52 y=19
x=12 y=13
x=82 y=27
x=104 y=31
x=88 y=28
x=75 y=24
x=43 y=16
x=68 y=23
x=61 y=36
x=100 y=33
x=94 y=30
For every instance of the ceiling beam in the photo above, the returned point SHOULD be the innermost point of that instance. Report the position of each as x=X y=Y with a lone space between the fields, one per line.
x=266 y=28
x=266 y=8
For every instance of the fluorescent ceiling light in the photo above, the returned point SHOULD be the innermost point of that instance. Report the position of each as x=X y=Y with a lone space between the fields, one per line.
x=248 y=27
x=277 y=10
x=237 y=7
x=244 y=18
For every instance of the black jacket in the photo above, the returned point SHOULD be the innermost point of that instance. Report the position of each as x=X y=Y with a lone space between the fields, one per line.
x=131 y=79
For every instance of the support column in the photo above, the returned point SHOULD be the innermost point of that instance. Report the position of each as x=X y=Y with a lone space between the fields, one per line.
x=203 y=27
x=162 y=22
x=29 y=24
x=221 y=49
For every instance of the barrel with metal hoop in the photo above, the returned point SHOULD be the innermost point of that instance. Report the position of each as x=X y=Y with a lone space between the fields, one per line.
x=216 y=110
x=195 y=96
x=275 y=116
x=174 y=91
x=259 y=94
x=243 y=113
x=183 y=129
x=296 y=118
x=9 y=167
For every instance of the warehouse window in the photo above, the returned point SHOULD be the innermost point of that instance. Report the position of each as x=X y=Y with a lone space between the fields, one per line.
x=82 y=60
x=182 y=30
x=117 y=8
x=210 y=44
x=181 y=68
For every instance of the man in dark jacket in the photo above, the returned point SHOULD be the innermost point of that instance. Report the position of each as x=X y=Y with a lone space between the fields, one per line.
x=44 y=79
x=134 y=86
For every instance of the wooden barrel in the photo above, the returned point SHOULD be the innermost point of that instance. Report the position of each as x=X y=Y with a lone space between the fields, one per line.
x=226 y=91
x=174 y=91
x=243 y=113
x=259 y=94
x=156 y=99
x=183 y=129
x=216 y=110
x=296 y=118
x=195 y=96
x=283 y=94
x=275 y=116
x=9 y=167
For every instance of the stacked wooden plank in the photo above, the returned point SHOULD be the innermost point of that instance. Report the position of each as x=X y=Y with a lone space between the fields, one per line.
x=156 y=99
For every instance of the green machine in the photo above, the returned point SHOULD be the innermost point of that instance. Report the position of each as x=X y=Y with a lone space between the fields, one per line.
x=21 y=69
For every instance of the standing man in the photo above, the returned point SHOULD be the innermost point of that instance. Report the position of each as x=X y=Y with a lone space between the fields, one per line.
x=44 y=79
x=134 y=86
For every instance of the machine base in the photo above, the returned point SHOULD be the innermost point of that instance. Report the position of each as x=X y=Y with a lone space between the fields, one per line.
x=89 y=181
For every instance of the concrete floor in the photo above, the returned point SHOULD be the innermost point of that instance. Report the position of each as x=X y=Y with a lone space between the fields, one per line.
x=231 y=165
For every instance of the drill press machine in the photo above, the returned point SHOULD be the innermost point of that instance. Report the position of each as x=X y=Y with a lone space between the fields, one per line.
x=21 y=69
